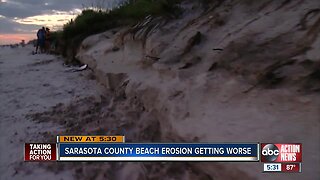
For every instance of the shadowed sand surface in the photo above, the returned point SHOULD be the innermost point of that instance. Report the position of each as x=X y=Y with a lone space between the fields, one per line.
x=30 y=84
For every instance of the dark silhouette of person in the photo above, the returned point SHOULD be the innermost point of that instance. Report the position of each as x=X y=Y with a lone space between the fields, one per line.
x=48 y=41
x=41 y=35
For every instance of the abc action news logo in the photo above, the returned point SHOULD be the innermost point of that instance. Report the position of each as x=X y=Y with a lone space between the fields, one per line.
x=281 y=152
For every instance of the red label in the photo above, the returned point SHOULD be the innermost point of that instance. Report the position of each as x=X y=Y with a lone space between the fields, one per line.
x=40 y=152
x=291 y=167
x=291 y=152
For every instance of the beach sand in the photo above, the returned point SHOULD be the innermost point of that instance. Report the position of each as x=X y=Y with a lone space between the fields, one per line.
x=31 y=84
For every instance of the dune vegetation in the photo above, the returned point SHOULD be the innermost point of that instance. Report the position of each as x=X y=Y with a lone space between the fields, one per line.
x=93 y=21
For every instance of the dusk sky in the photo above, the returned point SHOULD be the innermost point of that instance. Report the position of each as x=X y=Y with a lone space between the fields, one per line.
x=20 y=19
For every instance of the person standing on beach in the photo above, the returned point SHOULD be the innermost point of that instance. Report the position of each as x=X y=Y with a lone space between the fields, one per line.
x=41 y=34
x=47 y=41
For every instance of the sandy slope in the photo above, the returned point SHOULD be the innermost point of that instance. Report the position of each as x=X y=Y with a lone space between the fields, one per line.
x=190 y=91
x=29 y=84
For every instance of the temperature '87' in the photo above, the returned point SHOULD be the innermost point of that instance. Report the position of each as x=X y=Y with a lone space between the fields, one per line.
x=290 y=166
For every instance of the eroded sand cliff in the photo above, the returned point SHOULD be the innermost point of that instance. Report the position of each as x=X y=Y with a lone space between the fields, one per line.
x=235 y=71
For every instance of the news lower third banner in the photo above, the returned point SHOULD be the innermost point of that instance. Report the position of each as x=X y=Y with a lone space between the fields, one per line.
x=140 y=152
x=114 y=148
x=157 y=152
x=277 y=157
